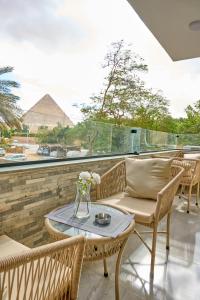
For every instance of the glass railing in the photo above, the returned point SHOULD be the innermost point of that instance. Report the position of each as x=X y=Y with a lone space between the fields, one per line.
x=151 y=140
x=48 y=141
x=189 y=142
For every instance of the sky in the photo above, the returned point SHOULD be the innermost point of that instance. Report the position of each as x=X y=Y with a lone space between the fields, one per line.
x=58 y=47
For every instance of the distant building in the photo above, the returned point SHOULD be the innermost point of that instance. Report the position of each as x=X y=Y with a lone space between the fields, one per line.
x=45 y=112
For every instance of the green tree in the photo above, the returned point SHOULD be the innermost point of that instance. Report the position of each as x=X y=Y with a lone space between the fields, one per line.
x=9 y=110
x=124 y=98
x=121 y=83
x=190 y=124
x=150 y=111
x=57 y=135
x=93 y=136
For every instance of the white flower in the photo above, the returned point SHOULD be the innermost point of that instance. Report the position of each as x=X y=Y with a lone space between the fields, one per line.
x=88 y=178
x=96 y=179
x=85 y=176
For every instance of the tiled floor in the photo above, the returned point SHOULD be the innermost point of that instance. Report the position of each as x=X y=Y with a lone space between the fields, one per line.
x=177 y=277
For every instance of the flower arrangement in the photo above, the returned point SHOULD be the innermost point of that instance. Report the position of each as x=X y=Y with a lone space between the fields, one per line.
x=82 y=201
x=87 y=178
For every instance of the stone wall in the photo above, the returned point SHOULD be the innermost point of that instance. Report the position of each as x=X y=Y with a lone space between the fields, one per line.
x=27 y=193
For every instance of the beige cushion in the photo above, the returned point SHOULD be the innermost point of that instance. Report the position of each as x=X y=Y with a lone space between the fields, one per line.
x=142 y=208
x=146 y=177
x=9 y=247
x=192 y=155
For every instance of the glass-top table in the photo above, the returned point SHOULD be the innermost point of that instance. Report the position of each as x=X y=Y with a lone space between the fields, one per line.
x=62 y=220
x=97 y=247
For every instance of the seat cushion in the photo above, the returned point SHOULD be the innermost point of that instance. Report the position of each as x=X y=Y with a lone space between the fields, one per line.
x=192 y=155
x=10 y=247
x=143 y=209
x=146 y=177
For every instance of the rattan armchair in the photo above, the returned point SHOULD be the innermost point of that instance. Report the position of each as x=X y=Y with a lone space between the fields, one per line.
x=148 y=213
x=48 y=272
x=190 y=178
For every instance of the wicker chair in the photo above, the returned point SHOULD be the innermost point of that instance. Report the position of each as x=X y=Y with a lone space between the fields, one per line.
x=47 y=273
x=190 y=178
x=147 y=212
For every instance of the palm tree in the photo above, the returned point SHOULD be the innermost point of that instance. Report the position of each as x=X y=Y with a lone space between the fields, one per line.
x=9 y=110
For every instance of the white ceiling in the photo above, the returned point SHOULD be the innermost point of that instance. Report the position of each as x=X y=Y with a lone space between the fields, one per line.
x=169 y=21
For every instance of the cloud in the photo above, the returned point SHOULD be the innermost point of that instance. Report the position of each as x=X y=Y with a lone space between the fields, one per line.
x=76 y=35
x=39 y=22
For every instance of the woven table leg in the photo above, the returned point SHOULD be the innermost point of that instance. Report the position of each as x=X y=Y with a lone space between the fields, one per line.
x=117 y=269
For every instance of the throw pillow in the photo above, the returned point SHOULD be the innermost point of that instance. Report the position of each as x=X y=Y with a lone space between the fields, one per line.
x=146 y=177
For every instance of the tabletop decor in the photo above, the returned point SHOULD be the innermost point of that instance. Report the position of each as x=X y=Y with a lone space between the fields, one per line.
x=103 y=218
x=119 y=221
x=82 y=200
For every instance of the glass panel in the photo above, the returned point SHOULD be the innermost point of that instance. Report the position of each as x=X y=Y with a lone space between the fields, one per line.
x=46 y=140
x=151 y=140
x=188 y=141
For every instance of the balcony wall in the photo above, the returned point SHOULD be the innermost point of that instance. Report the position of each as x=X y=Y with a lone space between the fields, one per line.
x=27 y=193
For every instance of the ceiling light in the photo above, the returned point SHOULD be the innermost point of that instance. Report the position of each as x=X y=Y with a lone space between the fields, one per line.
x=195 y=25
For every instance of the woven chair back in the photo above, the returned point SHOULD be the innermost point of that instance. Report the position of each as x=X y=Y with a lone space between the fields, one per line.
x=167 y=194
x=44 y=273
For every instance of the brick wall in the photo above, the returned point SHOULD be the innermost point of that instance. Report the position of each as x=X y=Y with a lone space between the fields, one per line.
x=27 y=194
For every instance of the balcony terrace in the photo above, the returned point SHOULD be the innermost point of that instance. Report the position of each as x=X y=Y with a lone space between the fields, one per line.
x=28 y=192
x=38 y=174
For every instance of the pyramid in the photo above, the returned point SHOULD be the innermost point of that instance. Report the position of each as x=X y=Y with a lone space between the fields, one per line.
x=45 y=112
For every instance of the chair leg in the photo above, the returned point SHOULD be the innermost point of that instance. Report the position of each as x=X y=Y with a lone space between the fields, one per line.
x=105 y=268
x=168 y=230
x=189 y=198
x=153 y=253
x=197 y=195
x=181 y=191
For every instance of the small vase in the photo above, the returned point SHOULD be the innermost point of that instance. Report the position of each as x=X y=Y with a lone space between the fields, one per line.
x=82 y=202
